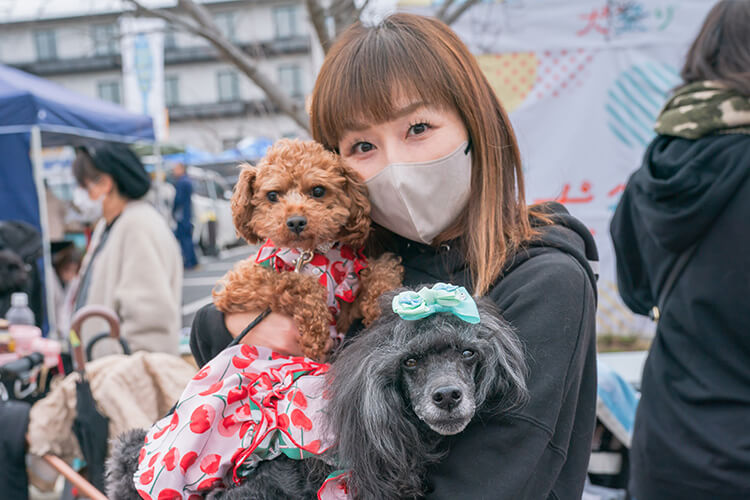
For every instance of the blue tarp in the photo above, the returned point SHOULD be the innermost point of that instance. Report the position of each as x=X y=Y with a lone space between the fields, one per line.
x=246 y=151
x=63 y=117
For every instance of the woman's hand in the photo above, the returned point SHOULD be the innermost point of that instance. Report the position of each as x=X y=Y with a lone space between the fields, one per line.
x=276 y=331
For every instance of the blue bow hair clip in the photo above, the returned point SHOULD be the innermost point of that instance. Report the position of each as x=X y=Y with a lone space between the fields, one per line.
x=442 y=297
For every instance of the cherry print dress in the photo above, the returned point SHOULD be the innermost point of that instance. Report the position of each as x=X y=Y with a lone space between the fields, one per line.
x=246 y=405
x=337 y=270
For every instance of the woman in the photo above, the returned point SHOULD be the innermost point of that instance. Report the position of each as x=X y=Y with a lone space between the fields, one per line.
x=407 y=106
x=133 y=263
x=691 y=200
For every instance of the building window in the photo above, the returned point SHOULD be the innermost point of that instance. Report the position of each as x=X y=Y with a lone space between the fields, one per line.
x=105 y=39
x=225 y=22
x=110 y=91
x=171 y=91
x=170 y=40
x=285 y=21
x=290 y=80
x=46 y=45
x=229 y=86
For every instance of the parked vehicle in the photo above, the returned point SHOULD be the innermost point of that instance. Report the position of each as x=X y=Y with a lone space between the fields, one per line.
x=213 y=228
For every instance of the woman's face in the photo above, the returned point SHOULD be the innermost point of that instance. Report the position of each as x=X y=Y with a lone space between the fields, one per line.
x=416 y=133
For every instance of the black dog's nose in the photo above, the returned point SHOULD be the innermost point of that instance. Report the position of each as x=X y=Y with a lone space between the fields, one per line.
x=296 y=224
x=446 y=398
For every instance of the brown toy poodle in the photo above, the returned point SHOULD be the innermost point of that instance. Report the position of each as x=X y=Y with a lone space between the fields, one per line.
x=312 y=211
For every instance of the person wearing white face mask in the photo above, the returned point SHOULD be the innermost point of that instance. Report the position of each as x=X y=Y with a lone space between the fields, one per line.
x=407 y=107
x=133 y=263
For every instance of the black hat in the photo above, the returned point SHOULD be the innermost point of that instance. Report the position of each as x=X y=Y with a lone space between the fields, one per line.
x=119 y=161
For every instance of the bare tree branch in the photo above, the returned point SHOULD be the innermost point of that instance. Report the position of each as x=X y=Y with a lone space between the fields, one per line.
x=344 y=13
x=443 y=10
x=362 y=8
x=202 y=24
x=318 y=20
x=451 y=18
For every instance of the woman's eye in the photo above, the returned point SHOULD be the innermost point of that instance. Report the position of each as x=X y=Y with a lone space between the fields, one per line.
x=418 y=128
x=272 y=196
x=362 y=147
x=410 y=363
x=318 y=191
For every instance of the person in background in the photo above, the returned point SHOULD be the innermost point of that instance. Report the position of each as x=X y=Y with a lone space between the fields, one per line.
x=689 y=203
x=66 y=261
x=182 y=213
x=133 y=263
x=56 y=210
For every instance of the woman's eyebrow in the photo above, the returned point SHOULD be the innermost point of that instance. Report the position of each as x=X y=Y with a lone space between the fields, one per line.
x=399 y=113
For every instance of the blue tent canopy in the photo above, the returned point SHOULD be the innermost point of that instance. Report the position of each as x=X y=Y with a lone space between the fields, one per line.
x=61 y=114
x=31 y=106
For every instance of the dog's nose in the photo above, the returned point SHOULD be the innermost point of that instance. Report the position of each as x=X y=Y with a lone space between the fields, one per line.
x=296 y=224
x=446 y=398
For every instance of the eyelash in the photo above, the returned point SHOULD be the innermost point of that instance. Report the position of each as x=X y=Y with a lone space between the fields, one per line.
x=357 y=142
x=427 y=124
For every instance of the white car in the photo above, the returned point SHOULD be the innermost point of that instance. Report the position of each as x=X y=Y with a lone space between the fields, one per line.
x=211 y=202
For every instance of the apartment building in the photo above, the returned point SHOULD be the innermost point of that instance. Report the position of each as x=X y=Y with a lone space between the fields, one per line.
x=211 y=104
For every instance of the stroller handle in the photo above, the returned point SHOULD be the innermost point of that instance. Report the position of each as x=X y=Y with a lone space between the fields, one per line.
x=91 y=311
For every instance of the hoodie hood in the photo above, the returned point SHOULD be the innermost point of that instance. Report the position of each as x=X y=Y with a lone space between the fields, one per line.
x=683 y=185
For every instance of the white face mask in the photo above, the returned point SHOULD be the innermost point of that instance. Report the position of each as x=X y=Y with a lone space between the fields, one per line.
x=91 y=210
x=420 y=200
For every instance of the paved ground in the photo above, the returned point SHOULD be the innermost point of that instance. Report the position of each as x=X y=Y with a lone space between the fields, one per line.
x=197 y=285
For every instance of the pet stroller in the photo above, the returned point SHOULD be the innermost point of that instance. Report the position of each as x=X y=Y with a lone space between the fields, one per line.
x=25 y=381
x=615 y=413
x=102 y=399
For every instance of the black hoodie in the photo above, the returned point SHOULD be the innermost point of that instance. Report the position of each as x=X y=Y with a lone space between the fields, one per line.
x=548 y=293
x=691 y=439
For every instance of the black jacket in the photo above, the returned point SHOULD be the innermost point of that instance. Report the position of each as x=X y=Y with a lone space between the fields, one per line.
x=549 y=295
x=691 y=437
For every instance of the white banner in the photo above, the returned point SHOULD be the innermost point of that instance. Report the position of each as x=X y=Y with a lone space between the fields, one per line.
x=583 y=81
x=142 y=47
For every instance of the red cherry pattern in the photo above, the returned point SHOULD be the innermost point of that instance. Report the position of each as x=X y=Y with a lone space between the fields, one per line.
x=300 y=420
x=169 y=494
x=210 y=463
x=147 y=476
x=188 y=459
x=209 y=484
x=171 y=458
x=202 y=418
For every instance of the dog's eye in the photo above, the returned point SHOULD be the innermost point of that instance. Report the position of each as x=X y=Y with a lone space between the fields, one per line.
x=273 y=196
x=468 y=354
x=410 y=363
x=318 y=191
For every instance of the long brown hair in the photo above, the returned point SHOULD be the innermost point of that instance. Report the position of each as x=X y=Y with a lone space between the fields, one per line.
x=421 y=57
x=721 y=52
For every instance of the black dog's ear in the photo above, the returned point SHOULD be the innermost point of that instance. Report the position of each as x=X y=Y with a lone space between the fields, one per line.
x=375 y=436
x=242 y=207
x=502 y=370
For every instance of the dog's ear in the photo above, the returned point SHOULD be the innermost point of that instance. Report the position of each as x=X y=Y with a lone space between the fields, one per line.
x=242 y=207
x=376 y=432
x=502 y=371
x=357 y=227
